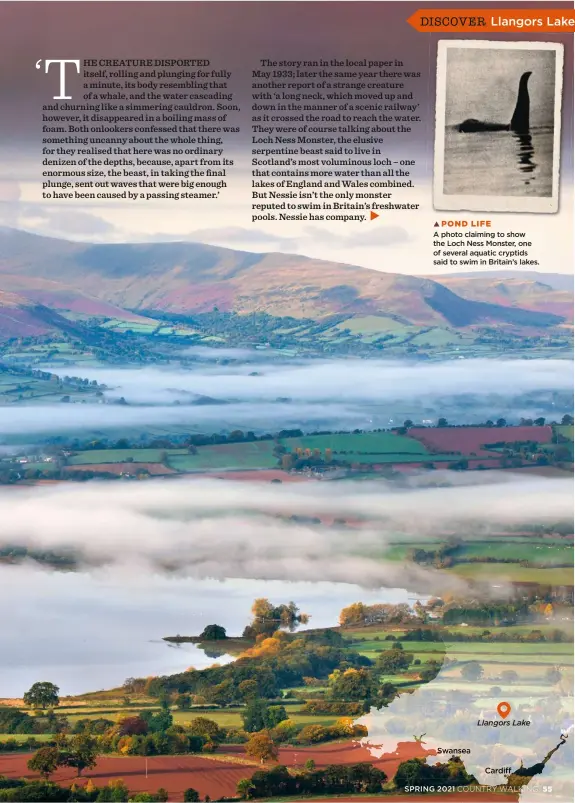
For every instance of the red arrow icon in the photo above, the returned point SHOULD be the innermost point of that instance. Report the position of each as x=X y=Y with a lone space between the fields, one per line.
x=373 y=215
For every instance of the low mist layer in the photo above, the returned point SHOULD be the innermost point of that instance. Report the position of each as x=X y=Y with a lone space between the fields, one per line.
x=218 y=528
x=222 y=390
x=351 y=381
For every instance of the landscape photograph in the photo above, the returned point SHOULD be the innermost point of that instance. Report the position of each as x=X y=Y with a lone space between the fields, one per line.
x=281 y=538
x=286 y=506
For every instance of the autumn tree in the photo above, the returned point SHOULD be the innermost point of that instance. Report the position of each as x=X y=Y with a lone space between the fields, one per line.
x=208 y=729
x=115 y=791
x=82 y=753
x=268 y=618
x=353 y=615
x=262 y=747
x=45 y=761
x=244 y=788
x=392 y=661
x=132 y=726
x=42 y=695
x=183 y=702
x=248 y=689
x=353 y=685
x=359 y=614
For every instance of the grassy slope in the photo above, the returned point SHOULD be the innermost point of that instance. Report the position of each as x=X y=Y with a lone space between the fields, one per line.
x=96 y=456
x=184 y=277
x=514 y=573
x=529 y=660
x=373 y=447
x=566 y=430
x=552 y=551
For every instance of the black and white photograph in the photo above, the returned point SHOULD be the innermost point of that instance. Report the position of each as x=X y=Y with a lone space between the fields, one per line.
x=498 y=126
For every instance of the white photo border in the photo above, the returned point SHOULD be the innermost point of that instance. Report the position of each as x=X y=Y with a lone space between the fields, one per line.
x=493 y=203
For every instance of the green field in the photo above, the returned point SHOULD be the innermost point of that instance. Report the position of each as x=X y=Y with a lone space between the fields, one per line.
x=256 y=454
x=566 y=430
x=535 y=653
x=364 y=443
x=514 y=572
x=233 y=718
x=533 y=649
x=529 y=660
x=139 y=327
x=149 y=327
x=535 y=550
x=95 y=456
x=44 y=468
x=357 y=635
x=544 y=627
x=372 y=324
x=224 y=717
x=436 y=337
x=367 y=447
x=23 y=737
x=529 y=674
x=25 y=387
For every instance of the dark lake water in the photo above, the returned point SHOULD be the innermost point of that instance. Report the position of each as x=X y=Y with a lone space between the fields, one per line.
x=499 y=163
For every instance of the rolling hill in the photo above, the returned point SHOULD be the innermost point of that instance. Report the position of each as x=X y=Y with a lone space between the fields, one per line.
x=186 y=278
x=518 y=292
x=558 y=281
x=68 y=299
x=21 y=317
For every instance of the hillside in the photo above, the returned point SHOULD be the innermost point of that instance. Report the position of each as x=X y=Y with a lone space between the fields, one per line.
x=21 y=317
x=558 y=281
x=184 y=278
x=65 y=298
x=518 y=292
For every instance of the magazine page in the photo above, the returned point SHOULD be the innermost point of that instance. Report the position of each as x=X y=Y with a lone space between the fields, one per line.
x=286 y=401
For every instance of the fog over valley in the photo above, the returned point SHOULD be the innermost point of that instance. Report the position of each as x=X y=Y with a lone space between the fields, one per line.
x=162 y=558
x=221 y=390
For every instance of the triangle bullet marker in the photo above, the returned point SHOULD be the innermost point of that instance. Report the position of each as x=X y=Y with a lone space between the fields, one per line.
x=373 y=215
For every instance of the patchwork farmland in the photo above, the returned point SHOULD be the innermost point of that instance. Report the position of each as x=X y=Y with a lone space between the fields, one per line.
x=401 y=451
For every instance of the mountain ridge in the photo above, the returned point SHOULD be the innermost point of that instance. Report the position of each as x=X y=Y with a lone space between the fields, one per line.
x=557 y=281
x=186 y=278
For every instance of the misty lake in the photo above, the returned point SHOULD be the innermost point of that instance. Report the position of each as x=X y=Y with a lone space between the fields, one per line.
x=499 y=163
x=86 y=632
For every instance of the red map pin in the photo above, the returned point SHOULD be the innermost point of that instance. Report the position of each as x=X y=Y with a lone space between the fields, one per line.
x=504 y=709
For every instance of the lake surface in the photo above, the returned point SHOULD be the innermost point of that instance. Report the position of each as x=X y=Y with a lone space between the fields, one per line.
x=499 y=163
x=86 y=632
